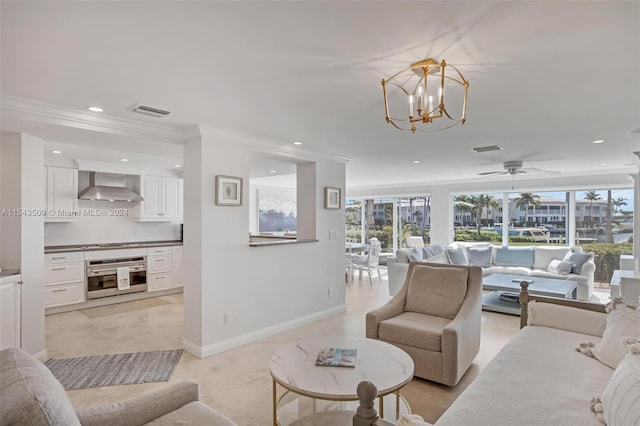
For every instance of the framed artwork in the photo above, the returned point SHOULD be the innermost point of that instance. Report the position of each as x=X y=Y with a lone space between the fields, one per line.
x=331 y=198
x=228 y=191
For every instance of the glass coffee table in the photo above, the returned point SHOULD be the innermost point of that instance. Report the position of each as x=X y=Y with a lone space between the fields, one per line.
x=551 y=287
x=293 y=368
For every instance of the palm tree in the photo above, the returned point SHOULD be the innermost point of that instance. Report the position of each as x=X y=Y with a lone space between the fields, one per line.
x=460 y=202
x=525 y=200
x=618 y=202
x=592 y=196
x=489 y=202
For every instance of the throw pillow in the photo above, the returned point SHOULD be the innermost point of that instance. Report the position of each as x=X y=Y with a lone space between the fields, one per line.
x=438 y=258
x=415 y=254
x=432 y=250
x=620 y=398
x=456 y=256
x=577 y=258
x=622 y=321
x=479 y=256
x=411 y=420
x=560 y=267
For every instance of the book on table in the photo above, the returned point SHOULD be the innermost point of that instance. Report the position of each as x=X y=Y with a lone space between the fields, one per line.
x=337 y=357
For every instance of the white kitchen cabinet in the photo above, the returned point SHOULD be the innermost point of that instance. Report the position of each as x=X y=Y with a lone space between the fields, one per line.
x=64 y=278
x=177 y=267
x=162 y=199
x=157 y=264
x=159 y=274
x=61 y=194
x=157 y=282
x=10 y=312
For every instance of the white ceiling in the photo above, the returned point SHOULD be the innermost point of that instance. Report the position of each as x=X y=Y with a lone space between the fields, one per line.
x=546 y=79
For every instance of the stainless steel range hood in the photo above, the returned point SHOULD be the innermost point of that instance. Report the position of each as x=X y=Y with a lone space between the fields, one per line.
x=108 y=187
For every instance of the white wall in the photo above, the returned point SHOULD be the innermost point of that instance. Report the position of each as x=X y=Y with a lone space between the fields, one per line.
x=23 y=235
x=108 y=229
x=266 y=289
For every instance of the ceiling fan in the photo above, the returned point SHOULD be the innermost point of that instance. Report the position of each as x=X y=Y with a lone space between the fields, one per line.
x=514 y=168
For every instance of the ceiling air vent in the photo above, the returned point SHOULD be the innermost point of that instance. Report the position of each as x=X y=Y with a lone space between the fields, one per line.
x=147 y=110
x=487 y=148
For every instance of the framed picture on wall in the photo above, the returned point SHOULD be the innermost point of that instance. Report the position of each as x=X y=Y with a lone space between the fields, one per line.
x=228 y=191
x=331 y=198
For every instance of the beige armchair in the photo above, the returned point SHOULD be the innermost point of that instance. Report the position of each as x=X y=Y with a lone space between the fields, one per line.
x=435 y=318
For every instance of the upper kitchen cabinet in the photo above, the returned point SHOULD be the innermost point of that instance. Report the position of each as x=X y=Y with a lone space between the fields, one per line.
x=162 y=199
x=61 y=194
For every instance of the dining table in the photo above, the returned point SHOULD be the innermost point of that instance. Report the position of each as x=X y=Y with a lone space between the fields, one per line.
x=356 y=247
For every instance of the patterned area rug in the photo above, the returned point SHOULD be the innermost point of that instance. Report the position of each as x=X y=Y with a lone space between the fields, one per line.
x=114 y=370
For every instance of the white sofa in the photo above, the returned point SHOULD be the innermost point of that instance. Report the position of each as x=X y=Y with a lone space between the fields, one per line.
x=503 y=260
x=538 y=378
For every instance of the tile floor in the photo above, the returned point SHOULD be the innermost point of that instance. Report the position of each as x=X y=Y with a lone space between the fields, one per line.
x=237 y=382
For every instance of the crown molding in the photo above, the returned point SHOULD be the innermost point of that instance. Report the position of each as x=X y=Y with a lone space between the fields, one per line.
x=40 y=112
x=263 y=144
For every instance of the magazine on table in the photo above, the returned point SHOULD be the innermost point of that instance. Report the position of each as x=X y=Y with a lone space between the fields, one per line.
x=337 y=357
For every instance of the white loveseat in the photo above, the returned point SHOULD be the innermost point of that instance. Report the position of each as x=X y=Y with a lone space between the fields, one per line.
x=532 y=261
x=538 y=378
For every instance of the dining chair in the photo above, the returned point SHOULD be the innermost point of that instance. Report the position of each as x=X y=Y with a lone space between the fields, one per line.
x=348 y=259
x=368 y=261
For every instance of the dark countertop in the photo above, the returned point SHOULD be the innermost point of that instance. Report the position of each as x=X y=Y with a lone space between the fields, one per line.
x=9 y=272
x=110 y=246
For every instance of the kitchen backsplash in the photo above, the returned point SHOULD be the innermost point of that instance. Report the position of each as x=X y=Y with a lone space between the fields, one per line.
x=95 y=224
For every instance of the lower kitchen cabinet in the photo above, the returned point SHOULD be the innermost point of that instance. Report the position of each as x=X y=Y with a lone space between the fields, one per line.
x=64 y=279
x=161 y=281
x=63 y=294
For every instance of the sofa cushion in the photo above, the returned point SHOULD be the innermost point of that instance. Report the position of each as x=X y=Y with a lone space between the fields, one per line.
x=518 y=256
x=432 y=250
x=512 y=270
x=577 y=258
x=415 y=254
x=457 y=256
x=622 y=321
x=414 y=329
x=479 y=256
x=438 y=258
x=620 y=400
x=30 y=393
x=437 y=291
x=542 y=256
x=560 y=267
x=402 y=255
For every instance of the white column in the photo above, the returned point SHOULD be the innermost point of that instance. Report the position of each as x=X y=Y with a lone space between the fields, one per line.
x=636 y=222
x=442 y=230
x=22 y=242
x=505 y=215
x=395 y=225
x=571 y=219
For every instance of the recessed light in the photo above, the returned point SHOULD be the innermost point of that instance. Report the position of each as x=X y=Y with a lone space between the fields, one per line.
x=94 y=109
x=416 y=161
x=634 y=131
x=297 y=143
x=177 y=165
x=598 y=141
x=124 y=159
x=55 y=151
x=604 y=164
x=272 y=171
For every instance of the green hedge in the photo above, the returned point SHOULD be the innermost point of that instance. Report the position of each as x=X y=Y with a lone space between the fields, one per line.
x=607 y=258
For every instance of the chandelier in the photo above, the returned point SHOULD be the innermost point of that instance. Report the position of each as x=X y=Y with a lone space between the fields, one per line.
x=421 y=97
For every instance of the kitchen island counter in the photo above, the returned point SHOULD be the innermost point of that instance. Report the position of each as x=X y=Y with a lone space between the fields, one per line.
x=110 y=246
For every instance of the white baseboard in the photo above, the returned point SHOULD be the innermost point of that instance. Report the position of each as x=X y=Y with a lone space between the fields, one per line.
x=234 y=342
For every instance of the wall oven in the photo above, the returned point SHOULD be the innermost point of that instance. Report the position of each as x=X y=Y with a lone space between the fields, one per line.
x=102 y=276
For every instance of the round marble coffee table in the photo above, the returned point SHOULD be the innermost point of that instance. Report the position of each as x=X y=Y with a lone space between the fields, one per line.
x=386 y=366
